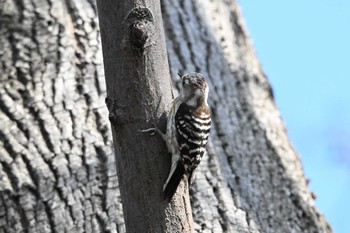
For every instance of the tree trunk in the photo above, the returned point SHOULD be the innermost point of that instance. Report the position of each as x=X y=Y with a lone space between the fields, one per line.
x=138 y=92
x=57 y=167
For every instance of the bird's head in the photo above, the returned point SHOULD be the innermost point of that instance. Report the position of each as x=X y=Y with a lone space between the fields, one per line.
x=194 y=89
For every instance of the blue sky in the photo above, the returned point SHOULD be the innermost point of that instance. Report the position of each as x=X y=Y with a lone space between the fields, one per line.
x=304 y=48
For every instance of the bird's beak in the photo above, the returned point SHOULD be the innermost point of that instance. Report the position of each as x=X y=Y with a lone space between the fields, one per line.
x=180 y=75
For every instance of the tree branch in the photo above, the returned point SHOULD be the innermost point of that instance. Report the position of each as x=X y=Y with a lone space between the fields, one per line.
x=139 y=90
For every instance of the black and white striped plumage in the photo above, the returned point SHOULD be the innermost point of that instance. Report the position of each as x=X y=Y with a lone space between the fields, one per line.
x=187 y=130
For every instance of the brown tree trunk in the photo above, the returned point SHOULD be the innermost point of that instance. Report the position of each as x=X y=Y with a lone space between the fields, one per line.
x=57 y=167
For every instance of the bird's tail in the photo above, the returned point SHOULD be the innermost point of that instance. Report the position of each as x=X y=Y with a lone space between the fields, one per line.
x=171 y=186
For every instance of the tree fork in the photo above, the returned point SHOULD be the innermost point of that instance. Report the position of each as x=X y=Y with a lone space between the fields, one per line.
x=138 y=91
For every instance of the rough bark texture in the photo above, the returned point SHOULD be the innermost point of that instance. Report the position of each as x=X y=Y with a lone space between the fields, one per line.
x=57 y=168
x=252 y=179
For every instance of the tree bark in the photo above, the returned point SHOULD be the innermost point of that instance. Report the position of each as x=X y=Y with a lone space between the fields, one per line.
x=57 y=168
x=138 y=92
x=252 y=179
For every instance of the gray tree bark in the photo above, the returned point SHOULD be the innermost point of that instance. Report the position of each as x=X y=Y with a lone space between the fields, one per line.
x=57 y=168
x=138 y=92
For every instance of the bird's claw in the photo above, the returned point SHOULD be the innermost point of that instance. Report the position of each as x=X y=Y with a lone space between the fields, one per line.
x=151 y=131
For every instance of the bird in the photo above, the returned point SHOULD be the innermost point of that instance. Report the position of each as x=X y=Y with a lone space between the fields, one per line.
x=187 y=131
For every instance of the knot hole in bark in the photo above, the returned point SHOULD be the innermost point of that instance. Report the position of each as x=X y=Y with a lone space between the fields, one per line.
x=140 y=21
x=138 y=34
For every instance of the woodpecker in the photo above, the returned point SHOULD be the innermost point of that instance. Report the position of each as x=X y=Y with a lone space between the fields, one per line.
x=187 y=132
